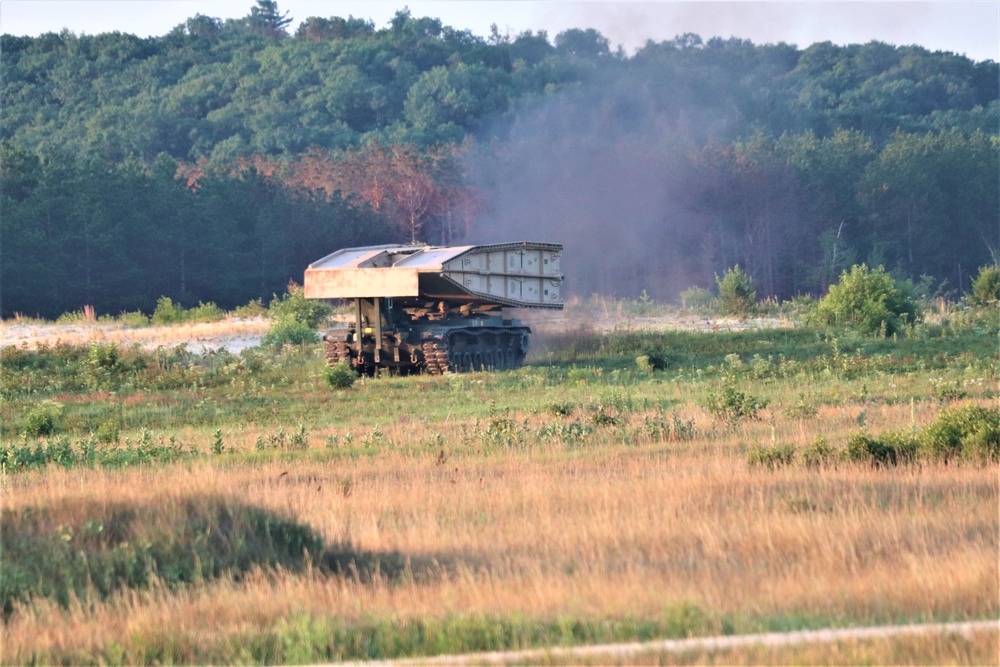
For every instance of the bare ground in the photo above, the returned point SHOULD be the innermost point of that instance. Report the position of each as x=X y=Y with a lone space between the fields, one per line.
x=237 y=334
x=232 y=334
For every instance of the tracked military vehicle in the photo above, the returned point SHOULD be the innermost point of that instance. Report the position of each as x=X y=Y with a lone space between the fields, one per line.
x=427 y=309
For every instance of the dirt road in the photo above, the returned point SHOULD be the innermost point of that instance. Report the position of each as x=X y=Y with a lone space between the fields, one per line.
x=622 y=652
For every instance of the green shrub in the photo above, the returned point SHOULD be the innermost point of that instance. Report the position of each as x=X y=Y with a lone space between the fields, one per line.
x=654 y=359
x=819 y=453
x=986 y=286
x=602 y=418
x=697 y=298
x=771 y=457
x=292 y=333
x=641 y=306
x=868 y=301
x=75 y=317
x=104 y=365
x=295 y=307
x=968 y=432
x=802 y=410
x=737 y=294
x=643 y=364
x=204 y=312
x=799 y=305
x=294 y=319
x=167 y=312
x=104 y=357
x=890 y=448
x=732 y=405
x=252 y=309
x=559 y=409
x=108 y=431
x=340 y=375
x=133 y=319
x=41 y=420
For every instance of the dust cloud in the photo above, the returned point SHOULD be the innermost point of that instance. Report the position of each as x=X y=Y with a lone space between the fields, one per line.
x=602 y=172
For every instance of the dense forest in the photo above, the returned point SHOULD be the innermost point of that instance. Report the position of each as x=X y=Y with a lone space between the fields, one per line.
x=214 y=162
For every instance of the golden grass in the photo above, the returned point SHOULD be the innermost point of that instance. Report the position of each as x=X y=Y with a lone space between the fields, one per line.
x=606 y=532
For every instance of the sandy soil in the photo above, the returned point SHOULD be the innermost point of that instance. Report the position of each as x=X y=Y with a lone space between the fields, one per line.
x=236 y=334
x=608 y=320
x=233 y=334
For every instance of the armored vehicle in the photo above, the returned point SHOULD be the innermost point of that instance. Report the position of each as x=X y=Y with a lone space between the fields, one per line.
x=435 y=309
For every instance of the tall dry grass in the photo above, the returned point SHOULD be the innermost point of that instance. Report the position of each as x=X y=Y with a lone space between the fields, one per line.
x=611 y=532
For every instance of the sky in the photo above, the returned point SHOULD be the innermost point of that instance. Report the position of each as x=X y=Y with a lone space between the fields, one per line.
x=966 y=27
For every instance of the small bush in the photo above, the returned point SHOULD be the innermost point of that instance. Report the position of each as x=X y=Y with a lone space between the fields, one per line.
x=890 y=448
x=799 y=305
x=295 y=319
x=108 y=432
x=167 y=312
x=559 y=409
x=204 y=312
x=968 y=432
x=340 y=375
x=643 y=364
x=293 y=333
x=104 y=365
x=295 y=307
x=75 y=317
x=986 y=286
x=254 y=308
x=737 y=294
x=655 y=360
x=732 y=405
x=819 y=453
x=104 y=357
x=771 y=457
x=602 y=418
x=41 y=421
x=133 y=319
x=641 y=306
x=802 y=410
x=868 y=301
x=697 y=298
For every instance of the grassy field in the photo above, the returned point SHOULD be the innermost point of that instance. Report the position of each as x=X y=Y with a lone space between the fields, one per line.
x=171 y=507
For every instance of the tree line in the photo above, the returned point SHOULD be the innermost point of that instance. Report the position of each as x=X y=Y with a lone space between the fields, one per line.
x=214 y=162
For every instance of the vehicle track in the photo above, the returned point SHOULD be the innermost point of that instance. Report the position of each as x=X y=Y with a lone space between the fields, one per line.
x=626 y=650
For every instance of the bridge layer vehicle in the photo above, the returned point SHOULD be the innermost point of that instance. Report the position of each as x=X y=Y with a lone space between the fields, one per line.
x=435 y=309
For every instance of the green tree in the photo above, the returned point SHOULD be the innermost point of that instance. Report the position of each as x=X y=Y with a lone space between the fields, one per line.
x=460 y=96
x=587 y=43
x=265 y=19
x=737 y=294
